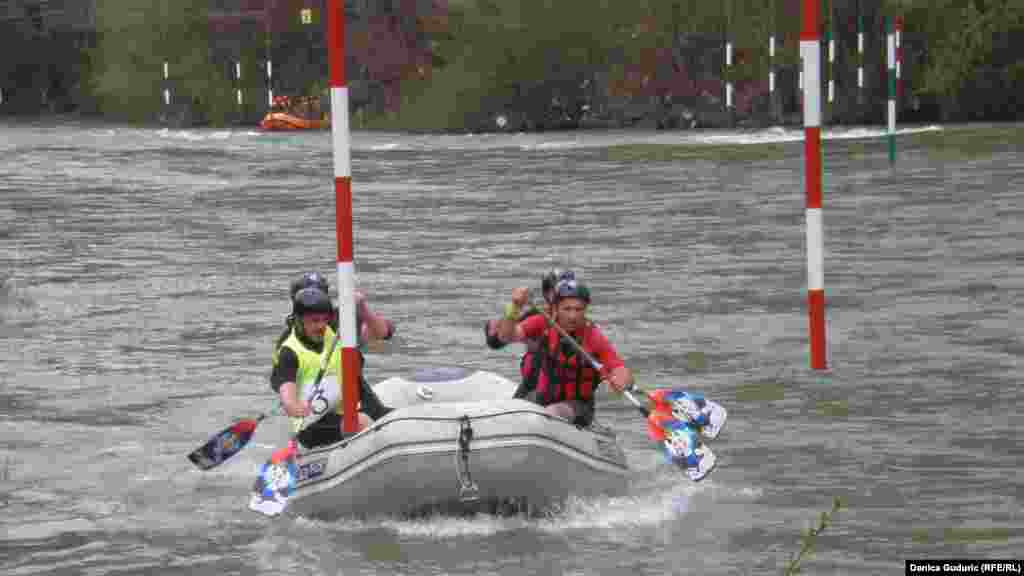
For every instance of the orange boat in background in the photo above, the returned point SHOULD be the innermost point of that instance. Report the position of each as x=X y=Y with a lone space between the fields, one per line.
x=287 y=121
x=299 y=114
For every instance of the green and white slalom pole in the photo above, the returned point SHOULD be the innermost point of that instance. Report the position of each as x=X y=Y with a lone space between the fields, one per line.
x=899 y=60
x=730 y=112
x=270 y=84
x=238 y=90
x=167 y=85
x=891 y=58
x=771 y=72
x=860 y=58
x=830 y=44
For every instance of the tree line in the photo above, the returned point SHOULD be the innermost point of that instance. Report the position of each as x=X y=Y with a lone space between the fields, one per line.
x=543 y=57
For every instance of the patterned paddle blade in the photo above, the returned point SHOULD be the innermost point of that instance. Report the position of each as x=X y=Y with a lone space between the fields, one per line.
x=705 y=414
x=276 y=482
x=224 y=445
x=656 y=422
x=681 y=443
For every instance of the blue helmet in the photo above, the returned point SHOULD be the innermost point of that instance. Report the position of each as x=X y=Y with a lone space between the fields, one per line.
x=552 y=278
x=570 y=288
x=308 y=279
x=311 y=300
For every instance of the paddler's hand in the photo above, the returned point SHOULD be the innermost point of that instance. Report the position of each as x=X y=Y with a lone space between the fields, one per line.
x=521 y=297
x=620 y=379
x=361 y=304
x=297 y=409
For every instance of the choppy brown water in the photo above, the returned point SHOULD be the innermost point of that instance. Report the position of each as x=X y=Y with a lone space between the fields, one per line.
x=144 y=275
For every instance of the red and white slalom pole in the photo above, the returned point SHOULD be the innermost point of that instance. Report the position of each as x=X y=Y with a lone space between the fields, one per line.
x=343 y=213
x=810 y=50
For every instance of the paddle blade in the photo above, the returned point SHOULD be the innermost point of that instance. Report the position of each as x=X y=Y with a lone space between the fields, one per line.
x=276 y=482
x=708 y=416
x=224 y=445
x=681 y=444
x=656 y=422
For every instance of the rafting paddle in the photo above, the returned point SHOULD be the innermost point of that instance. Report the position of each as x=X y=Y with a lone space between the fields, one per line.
x=226 y=443
x=678 y=438
x=276 y=480
x=708 y=416
x=230 y=441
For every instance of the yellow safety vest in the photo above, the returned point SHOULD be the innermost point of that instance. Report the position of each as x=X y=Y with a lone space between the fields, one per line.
x=309 y=366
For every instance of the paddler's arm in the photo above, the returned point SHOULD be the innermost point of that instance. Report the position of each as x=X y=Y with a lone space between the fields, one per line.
x=509 y=328
x=615 y=372
x=375 y=326
x=282 y=380
x=620 y=378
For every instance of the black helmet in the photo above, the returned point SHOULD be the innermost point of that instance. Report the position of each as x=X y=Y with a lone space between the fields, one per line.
x=552 y=278
x=311 y=299
x=570 y=288
x=310 y=279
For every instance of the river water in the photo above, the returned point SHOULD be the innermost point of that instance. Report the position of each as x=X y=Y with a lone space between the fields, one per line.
x=144 y=274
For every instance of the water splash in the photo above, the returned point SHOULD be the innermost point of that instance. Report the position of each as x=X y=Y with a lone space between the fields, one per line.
x=651 y=509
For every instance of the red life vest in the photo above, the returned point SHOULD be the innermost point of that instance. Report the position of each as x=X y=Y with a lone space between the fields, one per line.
x=565 y=376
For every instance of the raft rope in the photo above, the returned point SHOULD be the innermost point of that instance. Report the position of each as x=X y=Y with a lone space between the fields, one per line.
x=468 y=490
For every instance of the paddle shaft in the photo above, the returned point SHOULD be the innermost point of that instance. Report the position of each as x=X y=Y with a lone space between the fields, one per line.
x=695 y=476
x=323 y=367
x=211 y=454
x=263 y=482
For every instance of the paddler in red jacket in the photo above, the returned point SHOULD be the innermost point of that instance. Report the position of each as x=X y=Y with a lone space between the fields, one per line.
x=529 y=369
x=567 y=382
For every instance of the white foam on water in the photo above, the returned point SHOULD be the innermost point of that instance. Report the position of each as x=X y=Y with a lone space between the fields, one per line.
x=553 y=145
x=604 y=513
x=202 y=135
x=47 y=529
x=862 y=133
x=781 y=135
x=36 y=496
x=447 y=528
x=539 y=142
x=122 y=448
x=75 y=554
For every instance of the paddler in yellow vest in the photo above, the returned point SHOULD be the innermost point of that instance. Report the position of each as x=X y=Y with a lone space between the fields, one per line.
x=370 y=325
x=299 y=358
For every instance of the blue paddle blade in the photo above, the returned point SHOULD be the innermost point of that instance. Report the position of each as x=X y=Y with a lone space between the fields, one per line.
x=276 y=482
x=682 y=446
x=705 y=414
x=224 y=445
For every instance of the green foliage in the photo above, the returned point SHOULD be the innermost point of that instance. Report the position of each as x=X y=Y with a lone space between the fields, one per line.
x=529 y=52
x=135 y=38
x=961 y=38
x=539 y=49
x=810 y=537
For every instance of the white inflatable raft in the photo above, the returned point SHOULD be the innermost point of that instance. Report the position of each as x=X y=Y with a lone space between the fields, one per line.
x=457 y=441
